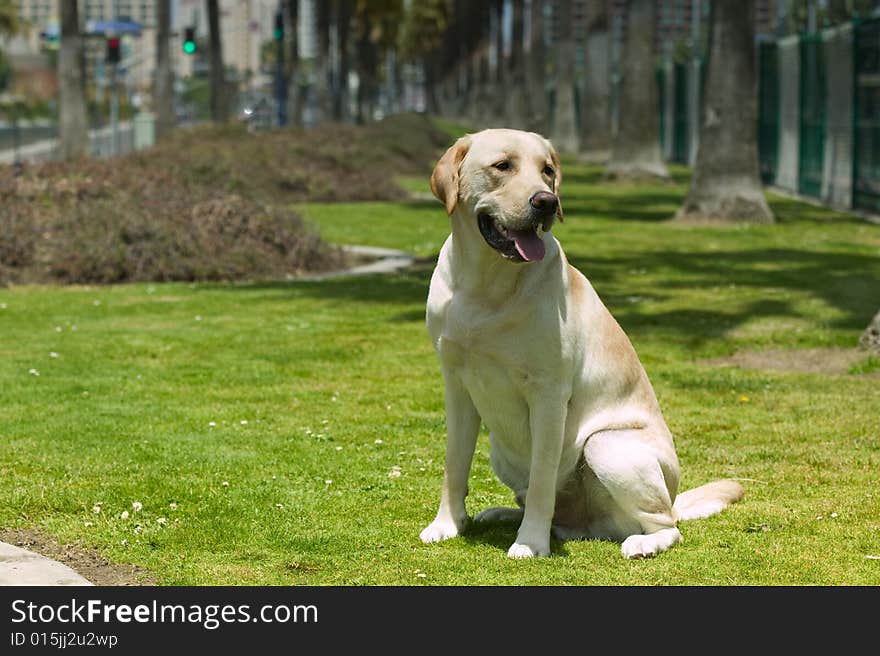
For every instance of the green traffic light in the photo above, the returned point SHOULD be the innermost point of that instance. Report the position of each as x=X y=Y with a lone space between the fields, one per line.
x=189 y=47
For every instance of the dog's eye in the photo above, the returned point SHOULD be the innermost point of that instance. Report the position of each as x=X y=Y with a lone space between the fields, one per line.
x=548 y=171
x=502 y=166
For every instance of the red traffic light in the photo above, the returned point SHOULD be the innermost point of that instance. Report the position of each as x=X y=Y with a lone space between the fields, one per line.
x=113 y=54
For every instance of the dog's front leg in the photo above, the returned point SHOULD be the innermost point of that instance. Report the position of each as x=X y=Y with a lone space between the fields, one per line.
x=547 y=423
x=462 y=427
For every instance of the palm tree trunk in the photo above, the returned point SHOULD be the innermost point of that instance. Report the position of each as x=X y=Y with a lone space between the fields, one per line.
x=322 y=62
x=635 y=151
x=295 y=91
x=499 y=95
x=340 y=93
x=219 y=104
x=537 y=70
x=73 y=123
x=725 y=184
x=165 y=116
x=519 y=95
x=596 y=117
x=565 y=132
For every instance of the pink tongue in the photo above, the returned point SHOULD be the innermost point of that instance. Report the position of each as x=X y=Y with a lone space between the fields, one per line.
x=528 y=244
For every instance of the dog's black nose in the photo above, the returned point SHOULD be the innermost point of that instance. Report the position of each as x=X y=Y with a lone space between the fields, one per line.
x=544 y=202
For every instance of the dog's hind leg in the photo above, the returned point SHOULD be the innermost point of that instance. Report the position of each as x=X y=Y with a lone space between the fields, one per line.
x=636 y=481
x=511 y=475
x=500 y=514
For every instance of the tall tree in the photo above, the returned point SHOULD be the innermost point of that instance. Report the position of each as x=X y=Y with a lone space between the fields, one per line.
x=368 y=63
x=565 y=132
x=295 y=90
x=73 y=128
x=519 y=100
x=499 y=80
x=323 y=71
x=9 y=22
x=219 y=104
x=164 y=82
x=635 y=150
x=340 y=91
x=424 y=28
x=537 y=69
x=595 y=113
x=377 y=26
x=725 y=184
x=9 y=25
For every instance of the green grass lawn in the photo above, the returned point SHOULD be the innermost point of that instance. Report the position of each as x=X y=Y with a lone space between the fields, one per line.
x=293 y=433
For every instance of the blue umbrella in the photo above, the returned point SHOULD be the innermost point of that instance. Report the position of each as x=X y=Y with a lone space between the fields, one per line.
x=113 y=27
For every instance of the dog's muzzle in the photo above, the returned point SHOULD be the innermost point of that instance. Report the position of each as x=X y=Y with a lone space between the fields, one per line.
x=516 y=245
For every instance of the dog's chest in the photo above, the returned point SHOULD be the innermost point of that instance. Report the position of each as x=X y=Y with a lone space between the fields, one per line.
x=488 y=354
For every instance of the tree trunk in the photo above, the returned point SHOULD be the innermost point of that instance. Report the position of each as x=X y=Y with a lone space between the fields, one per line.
x=565 y=132
x=499 y=94
x=537 y=70
x=322 y=62
x=483 y=109
x=219 y=104
x=165 y=116
x=519 y=96
x=595 y=107
x=429 y=69
x=73 y=126
x=340 y=93
x=635 y=151
x=870 y=339
x=295 y=91
x=368 y=63
x=725 y=184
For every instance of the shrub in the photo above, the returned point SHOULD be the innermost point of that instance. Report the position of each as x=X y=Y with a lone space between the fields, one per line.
x=209 y=204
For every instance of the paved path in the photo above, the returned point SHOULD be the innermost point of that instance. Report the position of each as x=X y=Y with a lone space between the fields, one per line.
x=22 y=567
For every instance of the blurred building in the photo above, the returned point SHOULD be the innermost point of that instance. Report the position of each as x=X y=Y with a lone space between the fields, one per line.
x=245 y=25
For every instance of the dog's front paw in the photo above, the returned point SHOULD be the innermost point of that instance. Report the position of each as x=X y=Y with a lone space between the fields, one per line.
x=518 y=550
x=440 y=529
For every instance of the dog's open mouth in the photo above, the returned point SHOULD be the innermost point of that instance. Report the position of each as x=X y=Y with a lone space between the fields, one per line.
x=516 y=245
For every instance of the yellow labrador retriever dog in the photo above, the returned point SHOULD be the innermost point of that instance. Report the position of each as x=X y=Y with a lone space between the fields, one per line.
x=527 y=346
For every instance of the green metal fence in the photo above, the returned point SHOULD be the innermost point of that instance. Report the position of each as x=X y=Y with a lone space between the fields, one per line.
x=866 y=116
x=813 y=105
x=681 y=115
x=818 y=114
x=768 y=110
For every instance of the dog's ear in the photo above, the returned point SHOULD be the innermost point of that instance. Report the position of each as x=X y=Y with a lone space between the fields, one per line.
x=445 y=178
x=557 y=180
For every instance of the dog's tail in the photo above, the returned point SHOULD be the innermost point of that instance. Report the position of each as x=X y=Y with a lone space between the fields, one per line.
x=707 y=499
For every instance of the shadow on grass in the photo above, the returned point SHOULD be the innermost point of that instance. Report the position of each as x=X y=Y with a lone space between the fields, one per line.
x=501 y=535
x=638 y=205
x=845 y=281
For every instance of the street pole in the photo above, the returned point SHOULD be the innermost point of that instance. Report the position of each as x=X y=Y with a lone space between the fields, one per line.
x=114 y=108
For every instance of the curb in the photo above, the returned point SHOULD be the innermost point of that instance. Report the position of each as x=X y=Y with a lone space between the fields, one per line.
x=22 y=567
x=388 y=260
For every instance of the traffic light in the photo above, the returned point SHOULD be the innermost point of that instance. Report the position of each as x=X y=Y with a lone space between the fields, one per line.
x=189 y=40
x=278 y=32
x=113 y=49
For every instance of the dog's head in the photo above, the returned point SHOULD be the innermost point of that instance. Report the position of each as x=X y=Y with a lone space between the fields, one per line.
x=507 y=181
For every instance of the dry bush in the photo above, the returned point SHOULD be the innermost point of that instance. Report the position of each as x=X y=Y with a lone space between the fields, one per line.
x=209 y=204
